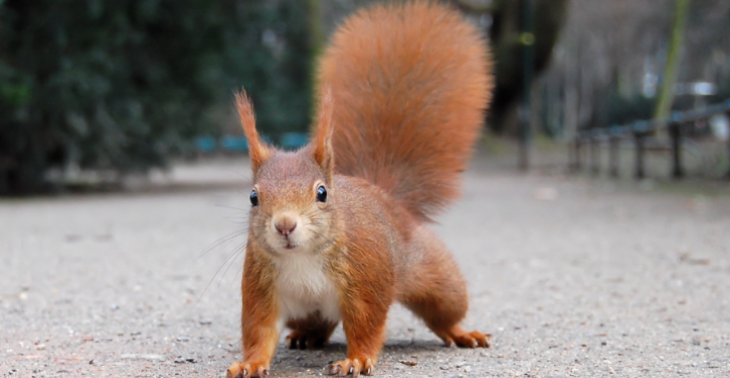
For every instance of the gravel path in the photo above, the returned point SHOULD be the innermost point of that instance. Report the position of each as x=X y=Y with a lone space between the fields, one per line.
x=572 y=277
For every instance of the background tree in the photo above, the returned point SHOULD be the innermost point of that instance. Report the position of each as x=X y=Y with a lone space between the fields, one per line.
x=607 y=66
x=666 y=92
x=504 y=31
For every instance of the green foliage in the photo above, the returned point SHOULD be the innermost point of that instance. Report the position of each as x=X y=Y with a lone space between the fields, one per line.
x=622 y=110
x=123 y=85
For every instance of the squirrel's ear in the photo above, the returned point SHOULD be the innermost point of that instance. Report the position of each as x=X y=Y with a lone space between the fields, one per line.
x=259 y=151
x=322 y=143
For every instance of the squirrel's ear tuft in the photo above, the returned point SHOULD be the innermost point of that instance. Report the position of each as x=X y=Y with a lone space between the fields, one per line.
x=322 y=143
x=259 y=151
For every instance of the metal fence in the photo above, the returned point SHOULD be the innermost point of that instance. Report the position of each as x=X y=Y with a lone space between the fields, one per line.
x=640 y=132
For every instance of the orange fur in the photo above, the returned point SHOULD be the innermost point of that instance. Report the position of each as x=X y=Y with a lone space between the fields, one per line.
x=322 y=152
x=258 y=150
x=259 y=317
x=409 y=85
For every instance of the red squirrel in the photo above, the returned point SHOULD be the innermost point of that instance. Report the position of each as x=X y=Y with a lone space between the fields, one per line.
x=339 y=229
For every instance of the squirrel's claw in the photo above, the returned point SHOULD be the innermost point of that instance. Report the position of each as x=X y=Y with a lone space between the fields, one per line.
x=483 y=340
x=235 y=371
x=472 y=340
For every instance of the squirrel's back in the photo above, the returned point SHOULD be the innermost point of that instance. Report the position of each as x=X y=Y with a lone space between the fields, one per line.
x=410 y=83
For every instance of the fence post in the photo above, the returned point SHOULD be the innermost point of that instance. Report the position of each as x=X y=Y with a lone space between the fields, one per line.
x=571 y=156
x=639 y=169
x=594 y=154
x=676 y=135
x=577 y=154
x=527 y=40
x=613 y=155
x=727 y=175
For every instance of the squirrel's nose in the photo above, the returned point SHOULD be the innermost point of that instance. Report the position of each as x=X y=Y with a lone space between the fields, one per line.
x=285 y=225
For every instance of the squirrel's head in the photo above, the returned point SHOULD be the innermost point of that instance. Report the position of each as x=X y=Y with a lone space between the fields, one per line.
x=292 y=194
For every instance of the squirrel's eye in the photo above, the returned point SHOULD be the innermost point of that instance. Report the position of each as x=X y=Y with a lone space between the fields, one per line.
x=321 y=194
x=254 y=198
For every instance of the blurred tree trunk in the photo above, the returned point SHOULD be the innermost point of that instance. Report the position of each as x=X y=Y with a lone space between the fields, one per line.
x=666 y=94
x=317 y=38
x=504 y=32
x=504 y=36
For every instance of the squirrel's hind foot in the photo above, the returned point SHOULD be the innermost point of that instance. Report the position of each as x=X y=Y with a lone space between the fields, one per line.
x=465 y=339
x=301 y=340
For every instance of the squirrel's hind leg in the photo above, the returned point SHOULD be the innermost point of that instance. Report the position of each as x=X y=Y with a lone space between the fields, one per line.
x=312 y=332
x=435 y=291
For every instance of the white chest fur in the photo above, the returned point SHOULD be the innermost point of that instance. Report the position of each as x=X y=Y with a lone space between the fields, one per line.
x=304 y=288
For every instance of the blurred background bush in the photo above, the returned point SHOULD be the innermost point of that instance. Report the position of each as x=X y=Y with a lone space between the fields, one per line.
x=121 y=86
x=117 y=87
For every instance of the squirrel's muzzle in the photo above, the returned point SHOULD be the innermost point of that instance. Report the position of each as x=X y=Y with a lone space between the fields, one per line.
x=285 y=224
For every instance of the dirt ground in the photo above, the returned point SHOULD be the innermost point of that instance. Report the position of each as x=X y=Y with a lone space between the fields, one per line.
x=573 y=277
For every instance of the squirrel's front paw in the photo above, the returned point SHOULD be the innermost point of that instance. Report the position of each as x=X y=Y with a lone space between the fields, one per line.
x=348 y=366
x=247 y=370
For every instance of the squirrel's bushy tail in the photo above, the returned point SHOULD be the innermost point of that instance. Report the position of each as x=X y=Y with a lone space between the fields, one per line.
x=410 y=83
